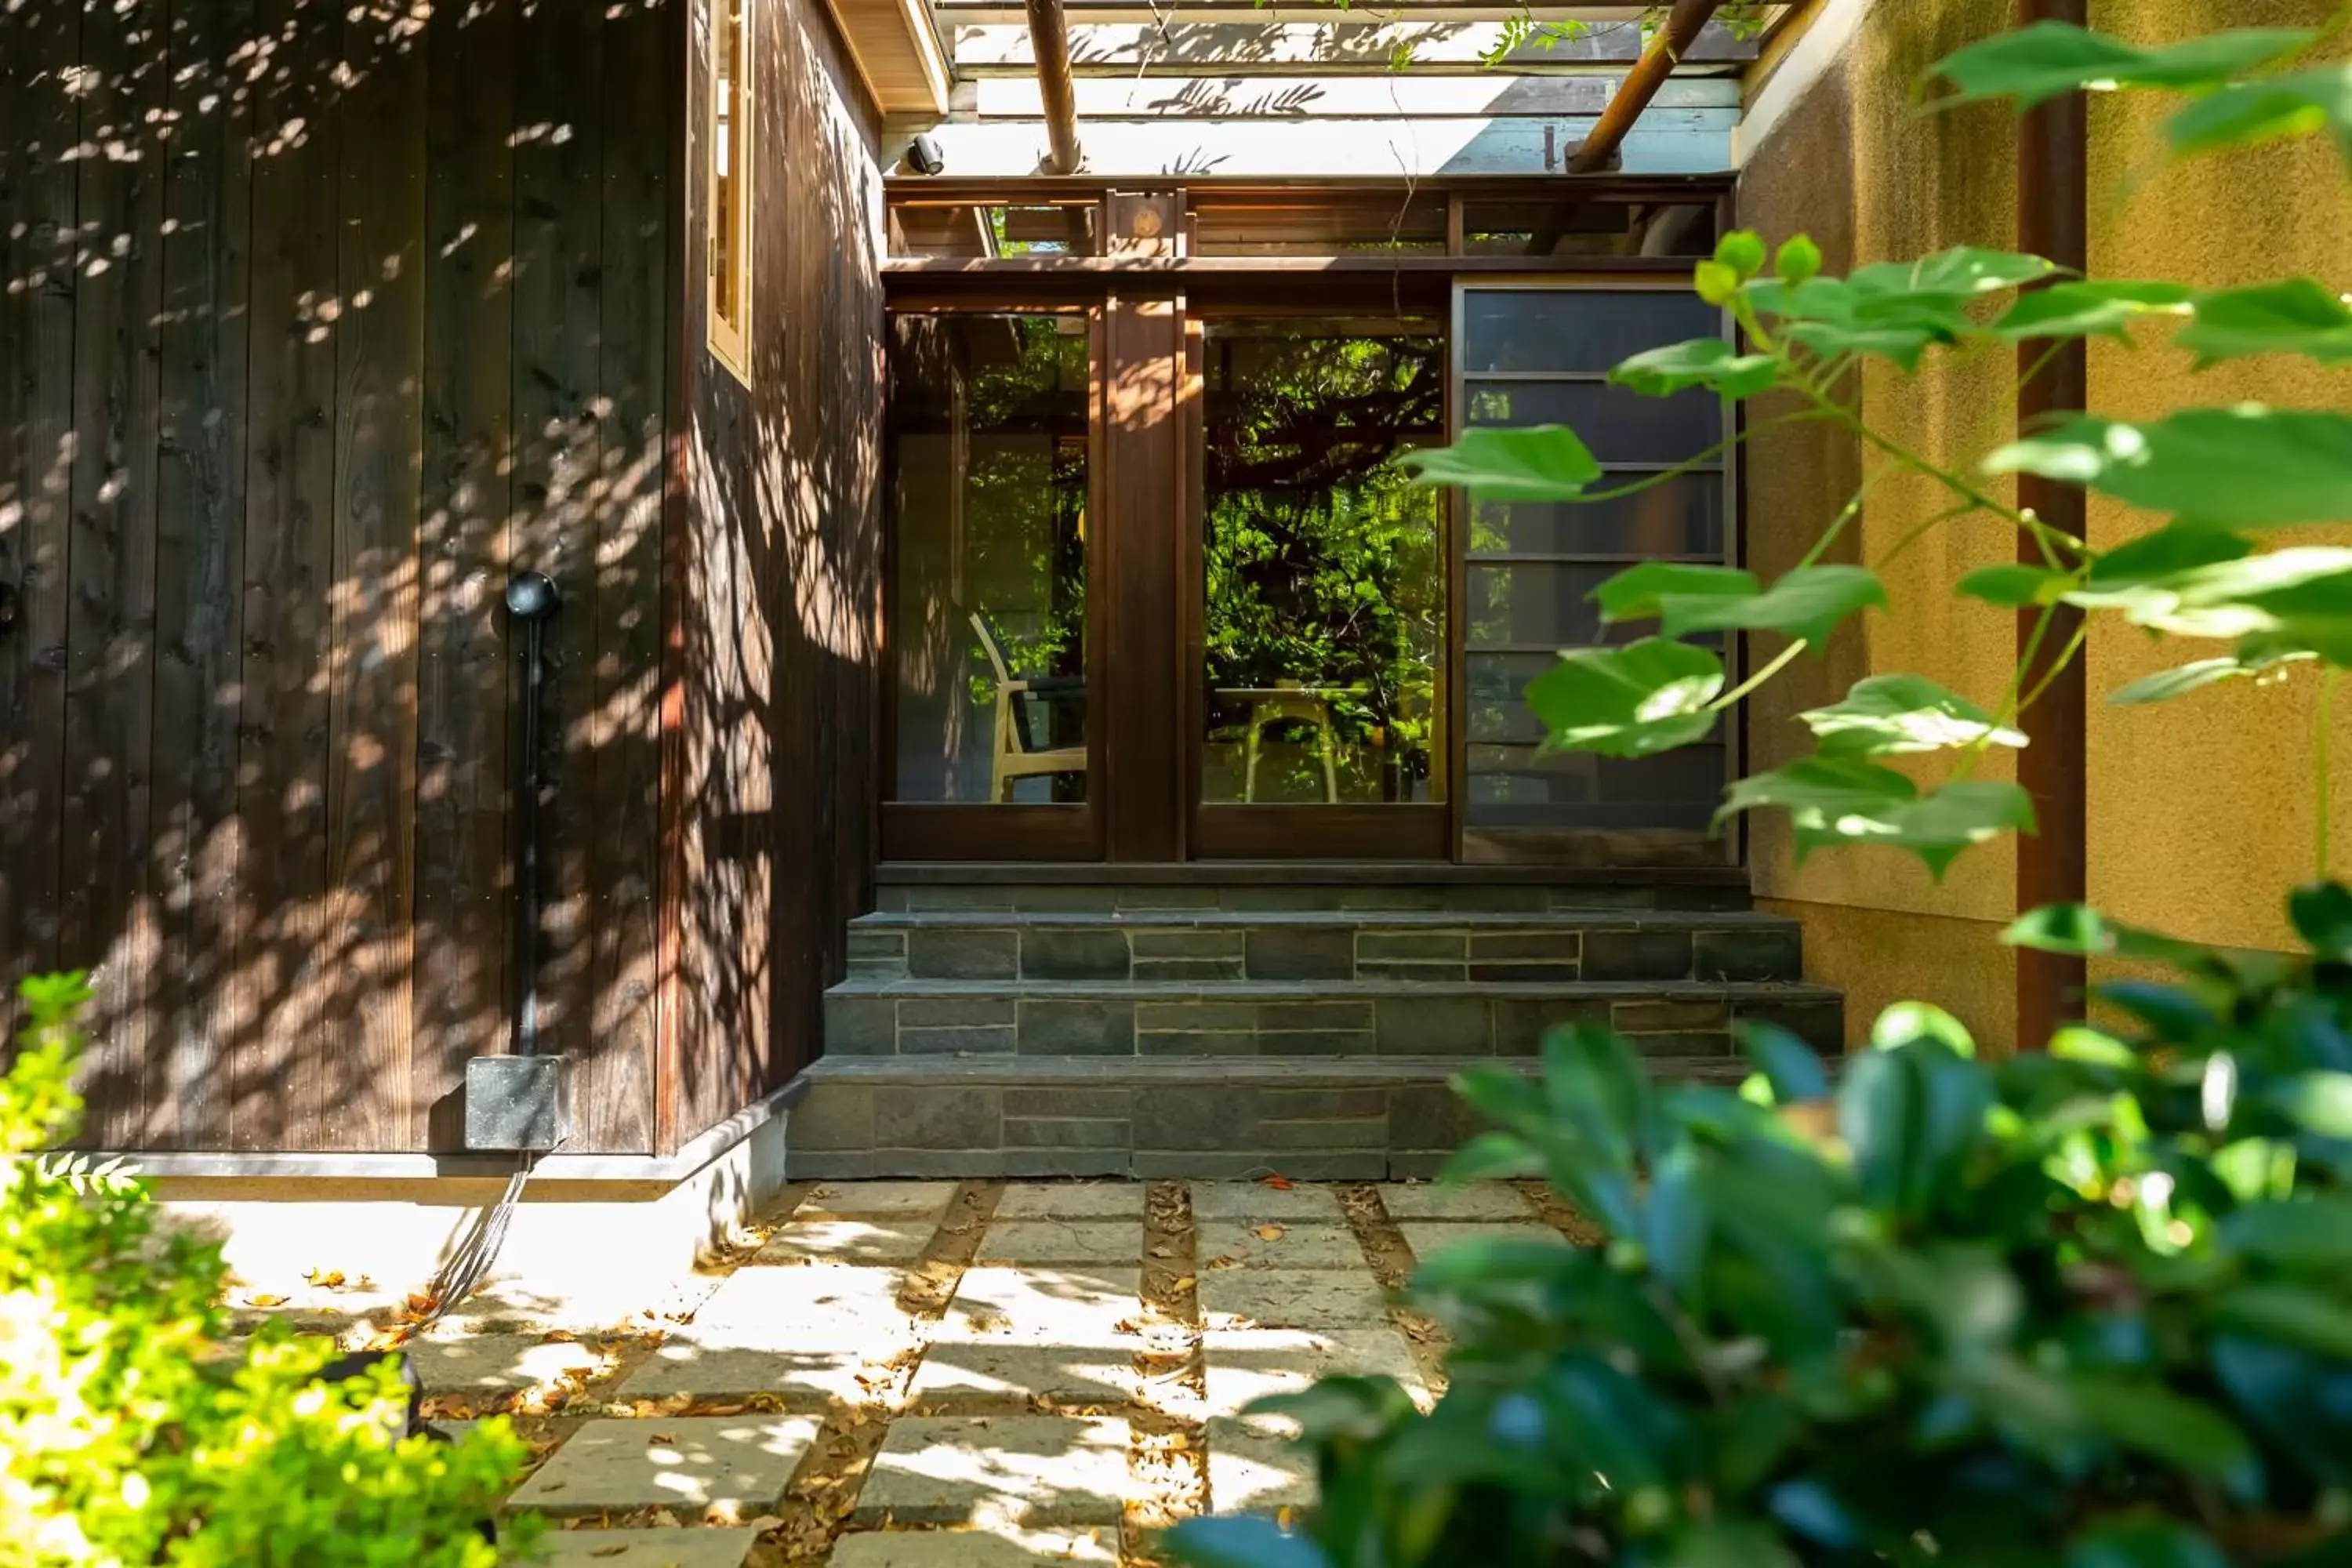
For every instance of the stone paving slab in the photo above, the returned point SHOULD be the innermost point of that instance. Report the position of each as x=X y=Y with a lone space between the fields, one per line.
x=1012 y=1470
x=1002 y=1375
x=1044 y=1306
x=806 y=1379
x=904 y=1200
x=714 y=1548
x=1428 y=1239
x=878 y=1240
x=1071 y=1200
x=1253 y=1470
x=1229 y=1244
x=1244 y=1365
x=1087 y=1241
x=1479 y=1201
x=726 y=1467
x=1001 y=1548
x=834 y=1308
x=1258 y=1203
x=491 y=1363
x=1292 y=1298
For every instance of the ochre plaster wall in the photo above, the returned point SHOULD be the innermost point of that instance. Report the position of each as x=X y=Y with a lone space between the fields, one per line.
x=2201 y=811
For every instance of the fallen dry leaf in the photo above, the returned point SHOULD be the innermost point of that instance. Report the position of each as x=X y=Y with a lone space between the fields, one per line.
x=1280 y=1184
x=1269 y=1233
x=325 y=1279
x=264 y=1299
x=661 y=1437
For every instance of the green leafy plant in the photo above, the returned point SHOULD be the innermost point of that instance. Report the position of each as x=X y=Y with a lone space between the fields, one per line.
x=2224 y=476
x=131 y=1432
x=2087 y=1308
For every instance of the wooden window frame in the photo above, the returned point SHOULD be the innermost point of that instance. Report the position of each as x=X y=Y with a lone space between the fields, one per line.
x=728 y=312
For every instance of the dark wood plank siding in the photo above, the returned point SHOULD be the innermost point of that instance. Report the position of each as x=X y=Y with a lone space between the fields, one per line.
x=777 y=616
x=356 y=308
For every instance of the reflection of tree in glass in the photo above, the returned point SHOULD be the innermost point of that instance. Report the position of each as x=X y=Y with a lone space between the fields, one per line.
x=1024 y=497
x=1322 y=566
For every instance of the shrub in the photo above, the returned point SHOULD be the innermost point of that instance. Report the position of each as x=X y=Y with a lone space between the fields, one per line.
x=2089 y=1308
x=131 y=1434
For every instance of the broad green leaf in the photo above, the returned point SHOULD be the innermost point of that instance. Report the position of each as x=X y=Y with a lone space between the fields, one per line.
x=2197 y=674
x=2174 y=547
x=1703 y=361
x=1725 y=1544
x=1807 y=603
x=2298 y=104
x=1905 y=1022
x=2185 y=1433
x=2248 y=466
x=2014 y=587
x=1910 y=1116
x=2288 y=1315
x=2035 y=64
x=1491 y=1156
x=2142 y=1543
x=1647 y=697
x=2294 y=317
x=1675 y=1218
x=2090 y=308
x=1541 y=462
x=1887 y=714
x=2308 y=1233
x=1241 y=1540
x=2322 y=916
x=1637 y=593
x=1846 y=800
x=2190 y=580
x=1892 y=307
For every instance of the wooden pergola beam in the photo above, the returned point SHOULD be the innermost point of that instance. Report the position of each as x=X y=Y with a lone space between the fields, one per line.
x=1641 y=85
x=1049 y=38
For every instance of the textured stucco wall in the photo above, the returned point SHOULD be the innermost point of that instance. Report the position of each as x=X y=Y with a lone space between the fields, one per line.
x=2200 y=810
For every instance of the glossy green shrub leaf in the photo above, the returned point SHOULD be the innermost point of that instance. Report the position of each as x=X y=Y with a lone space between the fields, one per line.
x=1492 y=1156
x=2294 y=317
x=1889 y=714
x=1792 y=1067
x=1241 y=1540
x=1910 y=1117
x=2322 y=916
x=2289 y=1315
x=2248 y=466
x=1647 y=697
x=2305 y=1233
x=1902 y=1023
x=2079 y=929
x=1703 y=361
x=2034 y=64
x=2186 y=1433
x=2302 y=103
x=1847 y=800
x=2090 y=308
x=1717 y=1545
x=2317 y=1102
x=2144 y=1543
x=1540 y=462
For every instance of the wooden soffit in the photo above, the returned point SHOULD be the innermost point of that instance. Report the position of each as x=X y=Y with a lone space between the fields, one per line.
x=899 y=52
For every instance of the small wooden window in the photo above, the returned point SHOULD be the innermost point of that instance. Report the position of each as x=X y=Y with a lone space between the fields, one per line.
x=730 y=183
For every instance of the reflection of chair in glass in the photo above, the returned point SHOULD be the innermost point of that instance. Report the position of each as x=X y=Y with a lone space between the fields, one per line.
x=1288 y=705
x=1025 y=721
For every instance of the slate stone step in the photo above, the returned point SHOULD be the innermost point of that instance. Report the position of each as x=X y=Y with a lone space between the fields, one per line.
x=1347 y=1118
x=935 y=1020
x=1326 y=945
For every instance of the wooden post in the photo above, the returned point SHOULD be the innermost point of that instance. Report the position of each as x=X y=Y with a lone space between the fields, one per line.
x=1640 y=84
x=2051 y=865
x=1049 y=40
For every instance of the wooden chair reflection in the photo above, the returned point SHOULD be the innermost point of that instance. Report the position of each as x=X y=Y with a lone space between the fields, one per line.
x=1024 y=719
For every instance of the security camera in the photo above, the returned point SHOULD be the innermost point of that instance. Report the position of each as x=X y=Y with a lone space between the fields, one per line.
x=925 y=156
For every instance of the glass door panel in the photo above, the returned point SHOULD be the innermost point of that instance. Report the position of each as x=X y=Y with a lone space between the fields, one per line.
x=1323 y=587
x=990 y=421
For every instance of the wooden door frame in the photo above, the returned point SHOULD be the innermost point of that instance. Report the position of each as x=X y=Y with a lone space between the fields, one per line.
x=958 y=830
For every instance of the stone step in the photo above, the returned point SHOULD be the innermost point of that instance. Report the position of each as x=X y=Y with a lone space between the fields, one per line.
x=1348 y=1119
x=935 y=1021
x=1026 y=888
x=1324 y=945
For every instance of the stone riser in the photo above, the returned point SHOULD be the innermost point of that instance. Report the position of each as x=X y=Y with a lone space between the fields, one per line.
x=1338 y=1121
x=1433 y=949
x=944 y=1020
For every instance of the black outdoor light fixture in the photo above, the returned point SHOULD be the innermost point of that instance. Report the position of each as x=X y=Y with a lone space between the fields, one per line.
x=925 y=156
x=523 y=1101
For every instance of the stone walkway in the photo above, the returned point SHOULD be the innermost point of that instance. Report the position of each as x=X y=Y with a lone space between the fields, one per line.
x=921 y=1374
